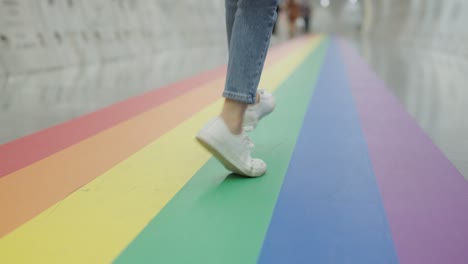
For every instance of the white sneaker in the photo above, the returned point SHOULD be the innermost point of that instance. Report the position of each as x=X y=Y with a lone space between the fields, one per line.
x=233 y=151
x=255 y=112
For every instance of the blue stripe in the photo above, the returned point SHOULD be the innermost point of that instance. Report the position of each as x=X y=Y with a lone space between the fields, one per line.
x=329 y=209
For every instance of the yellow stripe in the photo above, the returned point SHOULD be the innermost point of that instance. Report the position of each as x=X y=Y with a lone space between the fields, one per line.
x=95 y=223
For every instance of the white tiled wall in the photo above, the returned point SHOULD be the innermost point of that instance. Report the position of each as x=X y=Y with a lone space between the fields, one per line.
x=428 y=24
x=38 y=35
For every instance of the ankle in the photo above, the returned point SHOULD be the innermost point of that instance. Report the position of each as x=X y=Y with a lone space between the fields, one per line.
x=233 y=115
x=234 y=124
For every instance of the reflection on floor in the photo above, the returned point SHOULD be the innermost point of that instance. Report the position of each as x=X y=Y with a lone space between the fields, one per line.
x=431 y=84
x=30 y=103
x=351 y=178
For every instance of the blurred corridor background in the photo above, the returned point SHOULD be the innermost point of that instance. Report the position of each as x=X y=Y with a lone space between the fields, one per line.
x=367 y=150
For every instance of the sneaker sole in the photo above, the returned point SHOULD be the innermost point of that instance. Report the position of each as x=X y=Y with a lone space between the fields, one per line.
x=226 y=163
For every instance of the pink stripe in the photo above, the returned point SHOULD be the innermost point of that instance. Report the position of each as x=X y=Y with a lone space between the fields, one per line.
x=425 y=197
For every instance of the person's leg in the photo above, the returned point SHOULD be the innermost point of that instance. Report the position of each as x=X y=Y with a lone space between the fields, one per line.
x=249 y=31
x=292 y=27
x=249 y=40
x=306 y=26
x=231 y=110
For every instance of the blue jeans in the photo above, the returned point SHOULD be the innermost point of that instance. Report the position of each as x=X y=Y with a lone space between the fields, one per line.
x=249 y=25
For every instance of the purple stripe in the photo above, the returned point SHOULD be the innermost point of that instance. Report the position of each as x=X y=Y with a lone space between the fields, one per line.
x=425 y=197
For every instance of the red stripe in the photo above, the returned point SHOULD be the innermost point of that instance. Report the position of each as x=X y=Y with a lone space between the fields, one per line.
x=29 y=149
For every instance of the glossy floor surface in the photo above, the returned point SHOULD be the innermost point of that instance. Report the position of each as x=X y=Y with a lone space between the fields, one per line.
x=32 y=102
x=429 y=83
x=351 y=177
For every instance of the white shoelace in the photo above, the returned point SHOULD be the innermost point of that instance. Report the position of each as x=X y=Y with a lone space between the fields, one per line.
x=247 y=140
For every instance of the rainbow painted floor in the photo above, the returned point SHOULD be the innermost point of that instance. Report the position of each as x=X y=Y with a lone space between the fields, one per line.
x=351 y=178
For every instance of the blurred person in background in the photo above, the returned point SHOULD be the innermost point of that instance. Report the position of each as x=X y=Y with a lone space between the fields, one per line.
x=294 y=12
x=306 y=11
x=249 y=26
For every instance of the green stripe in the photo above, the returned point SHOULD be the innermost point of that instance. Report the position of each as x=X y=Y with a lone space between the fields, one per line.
x=218 y=219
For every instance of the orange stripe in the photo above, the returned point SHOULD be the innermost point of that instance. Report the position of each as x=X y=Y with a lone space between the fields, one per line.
x=29 y=191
